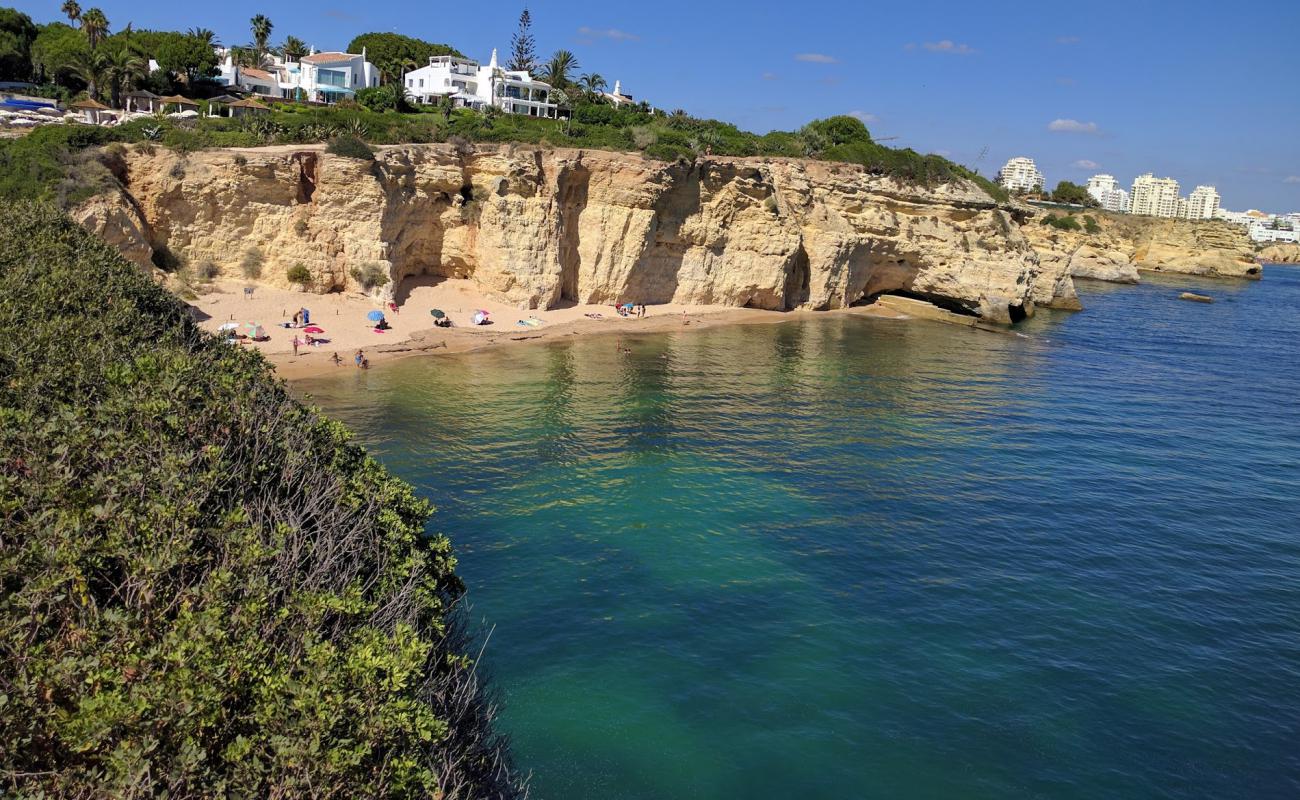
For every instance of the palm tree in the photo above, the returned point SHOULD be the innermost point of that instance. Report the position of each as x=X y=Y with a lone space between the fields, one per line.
x=72 y=9
x=261 y=27
x=593 y=83
x=293 y=48
x=207 y=36
x=95 y=24
x=556 y=70
x=123 y=67
x=89 y=65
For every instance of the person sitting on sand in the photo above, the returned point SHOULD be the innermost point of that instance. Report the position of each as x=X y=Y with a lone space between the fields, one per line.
x=310 y=339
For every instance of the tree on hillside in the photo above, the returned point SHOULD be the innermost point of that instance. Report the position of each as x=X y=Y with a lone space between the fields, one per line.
x=208 y=37
x=1073 y=194
x=556 y=71
x=293 y=48
x=593 y=83
x=389 y=51
x=95 y=25
x=17 y=32
x=54 y=50
x=839 y=130
x=261 y=28
x=187 y=56
x=72 y=10
x=90 y=66
x=523 y=53
x=124 y=68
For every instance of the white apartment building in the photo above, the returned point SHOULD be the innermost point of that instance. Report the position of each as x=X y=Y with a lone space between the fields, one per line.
x=1202 y=203
x=1154 y=197
x=319 y=78
x=1020 y=174
x=472 y=85
x=1105 y=190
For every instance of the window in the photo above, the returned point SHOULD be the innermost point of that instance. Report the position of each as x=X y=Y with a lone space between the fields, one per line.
x=422 y=83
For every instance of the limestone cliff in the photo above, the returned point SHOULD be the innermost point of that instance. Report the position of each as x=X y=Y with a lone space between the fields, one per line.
x=539 y=227
x=1280 y=254
x=1121 y=246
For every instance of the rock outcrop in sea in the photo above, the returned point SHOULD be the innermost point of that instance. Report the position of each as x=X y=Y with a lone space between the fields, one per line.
x=539 y=227
x=1123 y=246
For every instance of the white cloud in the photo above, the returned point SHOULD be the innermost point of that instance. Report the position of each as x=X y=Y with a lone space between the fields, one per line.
x=1291 y=179
x=613 y=34
x=1085 y=163
x=817 y=58
x=864 y=116
x=770 y=76
x=949 y=46
x=1067 y=40
x=1072 y=126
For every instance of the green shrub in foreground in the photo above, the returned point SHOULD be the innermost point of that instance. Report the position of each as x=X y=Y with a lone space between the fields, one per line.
x=209 y=590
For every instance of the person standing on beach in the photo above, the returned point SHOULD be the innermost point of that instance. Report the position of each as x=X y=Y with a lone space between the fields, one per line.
x=295 y=344
x=360 y=357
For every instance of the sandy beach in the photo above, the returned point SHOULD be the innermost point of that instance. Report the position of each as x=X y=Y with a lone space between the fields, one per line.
x=347 y=330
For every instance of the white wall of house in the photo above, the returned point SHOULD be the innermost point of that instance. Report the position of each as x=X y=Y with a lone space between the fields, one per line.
x=473 y=85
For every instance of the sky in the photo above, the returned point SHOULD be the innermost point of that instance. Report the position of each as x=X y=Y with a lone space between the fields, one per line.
x=1196 y=90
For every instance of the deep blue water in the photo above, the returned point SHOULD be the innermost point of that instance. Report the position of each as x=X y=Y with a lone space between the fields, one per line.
x=843 y=557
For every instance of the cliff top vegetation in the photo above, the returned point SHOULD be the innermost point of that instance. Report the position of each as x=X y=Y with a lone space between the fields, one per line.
x=208 y=589
x=86 y=58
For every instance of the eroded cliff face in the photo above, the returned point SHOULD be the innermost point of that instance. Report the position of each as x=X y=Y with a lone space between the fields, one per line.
x=1124 y=245
x=1280 y=254
x=540 y=227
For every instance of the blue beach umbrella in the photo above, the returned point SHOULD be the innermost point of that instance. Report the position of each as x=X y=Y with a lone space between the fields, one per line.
x=375 y=316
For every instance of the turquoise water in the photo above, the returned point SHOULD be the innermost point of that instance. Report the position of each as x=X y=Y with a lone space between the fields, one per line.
x=841 y=557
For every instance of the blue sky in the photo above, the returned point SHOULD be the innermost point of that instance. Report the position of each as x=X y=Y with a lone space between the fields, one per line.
x=1201 y=91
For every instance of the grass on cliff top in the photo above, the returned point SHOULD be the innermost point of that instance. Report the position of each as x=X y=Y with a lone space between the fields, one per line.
x=209 y=590
x=49 y=163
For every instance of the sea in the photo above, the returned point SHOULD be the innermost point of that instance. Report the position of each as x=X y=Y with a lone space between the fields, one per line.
x=850 y=557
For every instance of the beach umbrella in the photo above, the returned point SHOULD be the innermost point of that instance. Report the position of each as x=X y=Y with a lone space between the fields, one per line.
x=313 y=329
x=256 y=331
x=375 y=316
x=480 y=317
x=438 y=313
x=228 y=326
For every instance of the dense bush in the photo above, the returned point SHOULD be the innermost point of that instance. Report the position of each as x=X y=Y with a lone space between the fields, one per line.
x=208 y=589
x=1066 y=223
x=370 y=276
x=300 y=275
x=350 y=146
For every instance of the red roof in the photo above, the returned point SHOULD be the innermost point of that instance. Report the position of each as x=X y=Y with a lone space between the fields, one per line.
x=327 y=58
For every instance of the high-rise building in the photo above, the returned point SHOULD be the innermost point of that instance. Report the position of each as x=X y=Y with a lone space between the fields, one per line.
x=1202 y=203
x=1154 y=197
x=1105 y=190
x=1020 y=174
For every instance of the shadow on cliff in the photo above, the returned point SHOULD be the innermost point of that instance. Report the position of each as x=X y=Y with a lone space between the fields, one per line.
x=655 y=276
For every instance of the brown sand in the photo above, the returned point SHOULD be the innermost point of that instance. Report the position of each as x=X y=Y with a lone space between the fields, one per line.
x=343 y=316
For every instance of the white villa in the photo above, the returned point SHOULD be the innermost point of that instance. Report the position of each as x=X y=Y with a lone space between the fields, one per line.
x=320 y=77
x=472 y=85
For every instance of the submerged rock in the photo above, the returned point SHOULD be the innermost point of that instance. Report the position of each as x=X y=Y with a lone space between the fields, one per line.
x=1196 y=298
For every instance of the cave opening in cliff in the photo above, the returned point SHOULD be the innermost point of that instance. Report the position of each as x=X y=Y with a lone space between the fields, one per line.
x=946 y=303
x=797 y=280
x=1017 y=312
